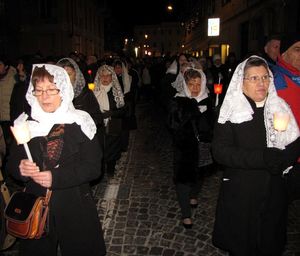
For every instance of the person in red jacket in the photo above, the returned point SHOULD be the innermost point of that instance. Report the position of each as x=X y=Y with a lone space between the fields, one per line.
x=287 y=73
x=287 y=83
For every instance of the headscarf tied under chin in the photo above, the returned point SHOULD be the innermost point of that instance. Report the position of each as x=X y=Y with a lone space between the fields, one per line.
x=237 y=109
x=64 y=114
x=183 y=90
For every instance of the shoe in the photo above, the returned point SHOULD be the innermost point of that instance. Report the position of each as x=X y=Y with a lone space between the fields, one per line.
x=187 y=223
x=193 y=203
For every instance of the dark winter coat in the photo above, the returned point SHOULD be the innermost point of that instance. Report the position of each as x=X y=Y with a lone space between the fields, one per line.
x=182 y=113
x=73 y=216
x=87 y=101
x=252 y=206
x=113 y=131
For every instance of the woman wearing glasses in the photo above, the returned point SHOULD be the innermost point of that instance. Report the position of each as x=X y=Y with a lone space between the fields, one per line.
x=66 y=158
x=252 y=206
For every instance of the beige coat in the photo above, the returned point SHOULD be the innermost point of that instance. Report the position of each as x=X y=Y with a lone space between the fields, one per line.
x=6 y=87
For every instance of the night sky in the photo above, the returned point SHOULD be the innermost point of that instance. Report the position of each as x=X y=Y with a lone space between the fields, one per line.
x=134 y=12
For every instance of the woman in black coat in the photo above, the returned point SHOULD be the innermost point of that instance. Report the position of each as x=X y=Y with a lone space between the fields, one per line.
x=189 y=121
x=65 y=154
x=111 y=101
x=252 y=206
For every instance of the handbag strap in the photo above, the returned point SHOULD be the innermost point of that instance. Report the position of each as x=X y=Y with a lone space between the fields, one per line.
x=47 y=197
x=45 y=214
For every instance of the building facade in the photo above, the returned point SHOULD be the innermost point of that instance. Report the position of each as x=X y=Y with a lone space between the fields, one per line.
x=244 y=25
x=51 y=27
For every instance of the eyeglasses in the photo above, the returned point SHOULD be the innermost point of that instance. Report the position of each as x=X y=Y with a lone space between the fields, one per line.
x=256 y=79
x=49 y=92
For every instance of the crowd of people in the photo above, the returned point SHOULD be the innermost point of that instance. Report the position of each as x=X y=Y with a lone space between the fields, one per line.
x=80 y=113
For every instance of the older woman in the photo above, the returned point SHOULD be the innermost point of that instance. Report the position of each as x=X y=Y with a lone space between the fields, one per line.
x=111 y=101
x=189 y=121
x=252 y=206
x=65 y=155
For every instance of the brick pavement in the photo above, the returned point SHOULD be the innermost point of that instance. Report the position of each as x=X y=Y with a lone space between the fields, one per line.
x=138 y=207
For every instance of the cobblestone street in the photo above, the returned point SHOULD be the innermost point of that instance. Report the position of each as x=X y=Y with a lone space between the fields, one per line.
x=138 y=207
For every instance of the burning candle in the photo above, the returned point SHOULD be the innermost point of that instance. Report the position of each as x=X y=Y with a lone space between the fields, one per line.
x=91 y=86
x=218 y=88
x=22 y=135
x=281 y=121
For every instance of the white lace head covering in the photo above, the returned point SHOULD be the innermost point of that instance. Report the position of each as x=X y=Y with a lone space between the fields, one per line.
x=79 y=83
x=115 y=86
x=64 y=114
x=126 y=78
x=183 y=90
x=237 y=109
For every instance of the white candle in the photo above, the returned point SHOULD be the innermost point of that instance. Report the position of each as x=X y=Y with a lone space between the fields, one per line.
x=281 y=121
x=217 y=100
x=22 y=135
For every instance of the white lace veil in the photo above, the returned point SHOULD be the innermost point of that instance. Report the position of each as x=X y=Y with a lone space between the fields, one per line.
x=79 y=83
x=64 y=114
x=116 y=88
x=183 y=91
x=237 y=109
x=126 y=78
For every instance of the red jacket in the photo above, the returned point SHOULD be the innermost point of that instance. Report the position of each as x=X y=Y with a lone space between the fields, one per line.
x=291 y=94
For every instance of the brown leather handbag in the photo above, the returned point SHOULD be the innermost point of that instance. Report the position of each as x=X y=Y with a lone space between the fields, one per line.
x=26 y=214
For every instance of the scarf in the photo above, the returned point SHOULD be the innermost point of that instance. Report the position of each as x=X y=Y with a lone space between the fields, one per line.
x=183 y=90
x=65 y=114
x=53 y=146
x=237 y=109
x=79 y=83
x=115 y=87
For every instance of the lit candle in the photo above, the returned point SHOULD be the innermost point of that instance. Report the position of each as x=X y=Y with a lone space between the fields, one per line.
x=218 y=90
x=22 y=135
x=281 y=121
x=91 y=86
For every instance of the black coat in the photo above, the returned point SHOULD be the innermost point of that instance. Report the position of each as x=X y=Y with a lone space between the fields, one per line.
x=182 y=113
x=113 y=131
x=252 y=206
x=73 y=216
x=87 y=101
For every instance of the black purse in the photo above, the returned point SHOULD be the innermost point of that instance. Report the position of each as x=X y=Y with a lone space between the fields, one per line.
x=204 y=149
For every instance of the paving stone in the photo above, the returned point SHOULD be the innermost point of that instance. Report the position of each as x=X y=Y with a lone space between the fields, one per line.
x=144 y=218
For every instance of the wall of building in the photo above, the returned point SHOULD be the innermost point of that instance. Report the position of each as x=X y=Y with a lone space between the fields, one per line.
x=244 y=24
x=54 y=27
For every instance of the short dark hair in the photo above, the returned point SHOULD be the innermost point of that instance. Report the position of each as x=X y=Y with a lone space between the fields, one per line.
x=191 y=73
x=39 y=74
x=255 y=62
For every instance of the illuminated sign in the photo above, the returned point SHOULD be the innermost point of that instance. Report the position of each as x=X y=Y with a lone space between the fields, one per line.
x=213 y=27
